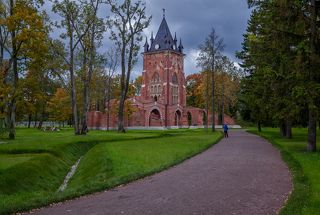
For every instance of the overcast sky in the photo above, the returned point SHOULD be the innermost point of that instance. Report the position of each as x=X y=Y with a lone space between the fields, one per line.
x=192 y=20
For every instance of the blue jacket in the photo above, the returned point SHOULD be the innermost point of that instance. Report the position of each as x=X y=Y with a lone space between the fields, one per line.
x=225 y=127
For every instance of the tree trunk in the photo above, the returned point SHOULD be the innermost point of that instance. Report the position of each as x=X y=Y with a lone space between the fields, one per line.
x=12 y=119
x=207 y=102
x=35 y=119
x=84 y=127
x=86 y=93
x=213 y=84
x=83 y=120
x=283 y=129
x=73 y=88
x=125 y=81
x=121 y=115
x=259 y=126
x=122 y=97
x=12 y=112
x=222 y=101
x=29 y=120
x=213 y=103
x=312 y=127
x=108 y=98
x=41 y=117
x=289 y=129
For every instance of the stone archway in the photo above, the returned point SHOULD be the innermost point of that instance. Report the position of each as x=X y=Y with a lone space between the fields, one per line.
x=189 y=119
x=177 y=118
x=155 y=118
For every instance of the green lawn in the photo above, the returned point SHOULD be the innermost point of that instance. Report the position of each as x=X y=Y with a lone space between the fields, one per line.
x=305 y=168
x=33 y=166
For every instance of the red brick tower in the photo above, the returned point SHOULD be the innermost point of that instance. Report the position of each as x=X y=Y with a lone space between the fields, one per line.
x=163 y=93
x=163 y=80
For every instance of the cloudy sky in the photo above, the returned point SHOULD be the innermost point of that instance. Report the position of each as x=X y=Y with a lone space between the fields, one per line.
x=192 y=20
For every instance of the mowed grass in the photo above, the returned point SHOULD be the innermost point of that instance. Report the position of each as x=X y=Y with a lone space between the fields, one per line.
x=33 y=166
x=305 y=168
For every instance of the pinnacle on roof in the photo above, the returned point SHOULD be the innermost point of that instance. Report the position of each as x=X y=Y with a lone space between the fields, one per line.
x=146 y=45
x=180 y=46
x=151 y=38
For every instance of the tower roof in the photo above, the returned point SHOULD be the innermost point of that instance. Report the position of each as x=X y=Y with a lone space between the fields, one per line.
x=164 y=39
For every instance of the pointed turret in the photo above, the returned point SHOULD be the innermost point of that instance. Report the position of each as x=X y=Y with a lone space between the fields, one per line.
x=175 y=41
x=146 y=45
x=180 y=46
x=151 y=39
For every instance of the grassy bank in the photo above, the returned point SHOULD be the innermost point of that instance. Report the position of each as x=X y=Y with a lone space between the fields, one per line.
x=305 y=168
x=33 y=166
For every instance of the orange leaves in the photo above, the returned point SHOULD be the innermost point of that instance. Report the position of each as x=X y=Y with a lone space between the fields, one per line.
x=59 y=105
x=225 y=86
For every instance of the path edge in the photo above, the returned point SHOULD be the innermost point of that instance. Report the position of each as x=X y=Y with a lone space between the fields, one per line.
x=296 y=199
x=142 y=177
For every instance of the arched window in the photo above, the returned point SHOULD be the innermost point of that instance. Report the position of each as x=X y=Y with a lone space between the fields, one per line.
x=174 y=78
x=155 y=78
x=155 y=86
x=175 y=89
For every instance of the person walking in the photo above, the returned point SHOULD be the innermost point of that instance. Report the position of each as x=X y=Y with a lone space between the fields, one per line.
x=225 y=130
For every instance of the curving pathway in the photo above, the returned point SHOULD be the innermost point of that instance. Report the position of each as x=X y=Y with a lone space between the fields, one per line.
x=242 y=174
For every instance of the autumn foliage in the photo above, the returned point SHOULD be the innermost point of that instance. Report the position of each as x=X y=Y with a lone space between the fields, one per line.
x=227 y=88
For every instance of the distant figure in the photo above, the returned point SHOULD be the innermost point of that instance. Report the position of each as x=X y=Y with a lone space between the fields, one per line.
x=225 y=130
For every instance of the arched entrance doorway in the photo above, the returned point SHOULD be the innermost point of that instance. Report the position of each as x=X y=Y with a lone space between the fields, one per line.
x=177 y=118
x=189 y=119
x=155 y=118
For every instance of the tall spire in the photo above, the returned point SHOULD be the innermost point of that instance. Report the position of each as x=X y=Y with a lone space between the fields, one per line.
x=151 y=39
x=146 y=45
x=175 y=41
x=163 y=39
x=180 y=46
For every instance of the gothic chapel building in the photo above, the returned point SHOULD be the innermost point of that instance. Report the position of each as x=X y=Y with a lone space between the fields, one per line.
x=162 y=102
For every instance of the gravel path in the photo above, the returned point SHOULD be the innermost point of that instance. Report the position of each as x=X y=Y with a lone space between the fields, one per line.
x=242 y=174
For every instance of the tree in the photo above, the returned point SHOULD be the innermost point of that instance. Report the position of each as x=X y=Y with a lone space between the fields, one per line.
x=112 y=63
x=72 y=19
x=210 y=51
x=137 y=84
x=59 y=106
x=228 y=84
x=195 y=90
x=22 y=37
x=128 y=21
x=281 y=53
x=89 y=42
x=226 y=88
x=314 y=77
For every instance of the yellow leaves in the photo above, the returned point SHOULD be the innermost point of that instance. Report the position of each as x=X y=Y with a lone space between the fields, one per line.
x=27 y=23
x=59 y=105
x=224 y=85
x=129 y=108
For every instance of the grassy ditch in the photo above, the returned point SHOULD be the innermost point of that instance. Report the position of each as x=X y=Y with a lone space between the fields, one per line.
x=33 y=166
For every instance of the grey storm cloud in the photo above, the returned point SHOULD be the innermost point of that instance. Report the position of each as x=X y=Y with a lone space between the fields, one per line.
x=193 y=20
